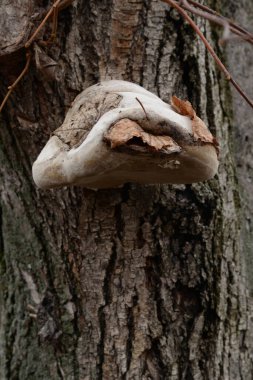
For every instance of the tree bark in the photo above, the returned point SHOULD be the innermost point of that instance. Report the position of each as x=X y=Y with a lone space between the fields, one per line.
x=240 y=57
x=139 y=282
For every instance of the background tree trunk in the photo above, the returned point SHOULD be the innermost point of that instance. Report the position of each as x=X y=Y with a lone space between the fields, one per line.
x=240 y=58
x=140 y=282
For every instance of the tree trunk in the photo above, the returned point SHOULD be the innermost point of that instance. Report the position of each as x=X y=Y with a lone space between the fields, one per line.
x=139 y=282
x=240 y=57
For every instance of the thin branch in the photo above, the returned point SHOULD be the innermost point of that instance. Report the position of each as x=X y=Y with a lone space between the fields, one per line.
x=52 y=37
x=209 y=14
x=185 y=15
x=142 y=106
x=209 y=10
x=11 y=87
x=55 y=8
x=43 y=22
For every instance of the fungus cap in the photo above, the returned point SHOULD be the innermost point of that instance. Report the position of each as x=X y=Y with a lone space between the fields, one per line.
x=118 y=132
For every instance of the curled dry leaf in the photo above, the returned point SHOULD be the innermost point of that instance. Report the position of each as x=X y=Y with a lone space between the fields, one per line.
x=200 y=132
x=199 y=129
x=183 y=107
x=128 y=133
x=44 y=63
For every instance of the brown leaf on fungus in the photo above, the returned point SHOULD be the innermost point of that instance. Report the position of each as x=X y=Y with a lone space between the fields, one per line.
x=128 y=133
x=199 y=129
x=183 y=107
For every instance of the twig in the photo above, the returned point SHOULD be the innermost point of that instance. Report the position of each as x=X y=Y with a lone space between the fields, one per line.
x=55 y=8
x=175 y=5
x=209 y=14
x=209 y=10
x=142 y=106
x=52 y=37
x=43 y=22
x=11 y=87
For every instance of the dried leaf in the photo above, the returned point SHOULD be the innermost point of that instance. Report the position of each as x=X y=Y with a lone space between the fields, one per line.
x=183 y=107
x=199 y=129
x=44 y=63
x=128 y=132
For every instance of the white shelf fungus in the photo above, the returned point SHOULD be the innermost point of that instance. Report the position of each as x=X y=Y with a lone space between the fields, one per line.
x=118 y=132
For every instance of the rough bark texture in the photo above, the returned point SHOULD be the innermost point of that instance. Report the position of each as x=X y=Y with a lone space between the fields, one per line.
x=240 y=57
x=141 y=282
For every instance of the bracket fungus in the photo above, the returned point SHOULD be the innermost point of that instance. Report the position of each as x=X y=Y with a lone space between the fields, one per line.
x=118 y=132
